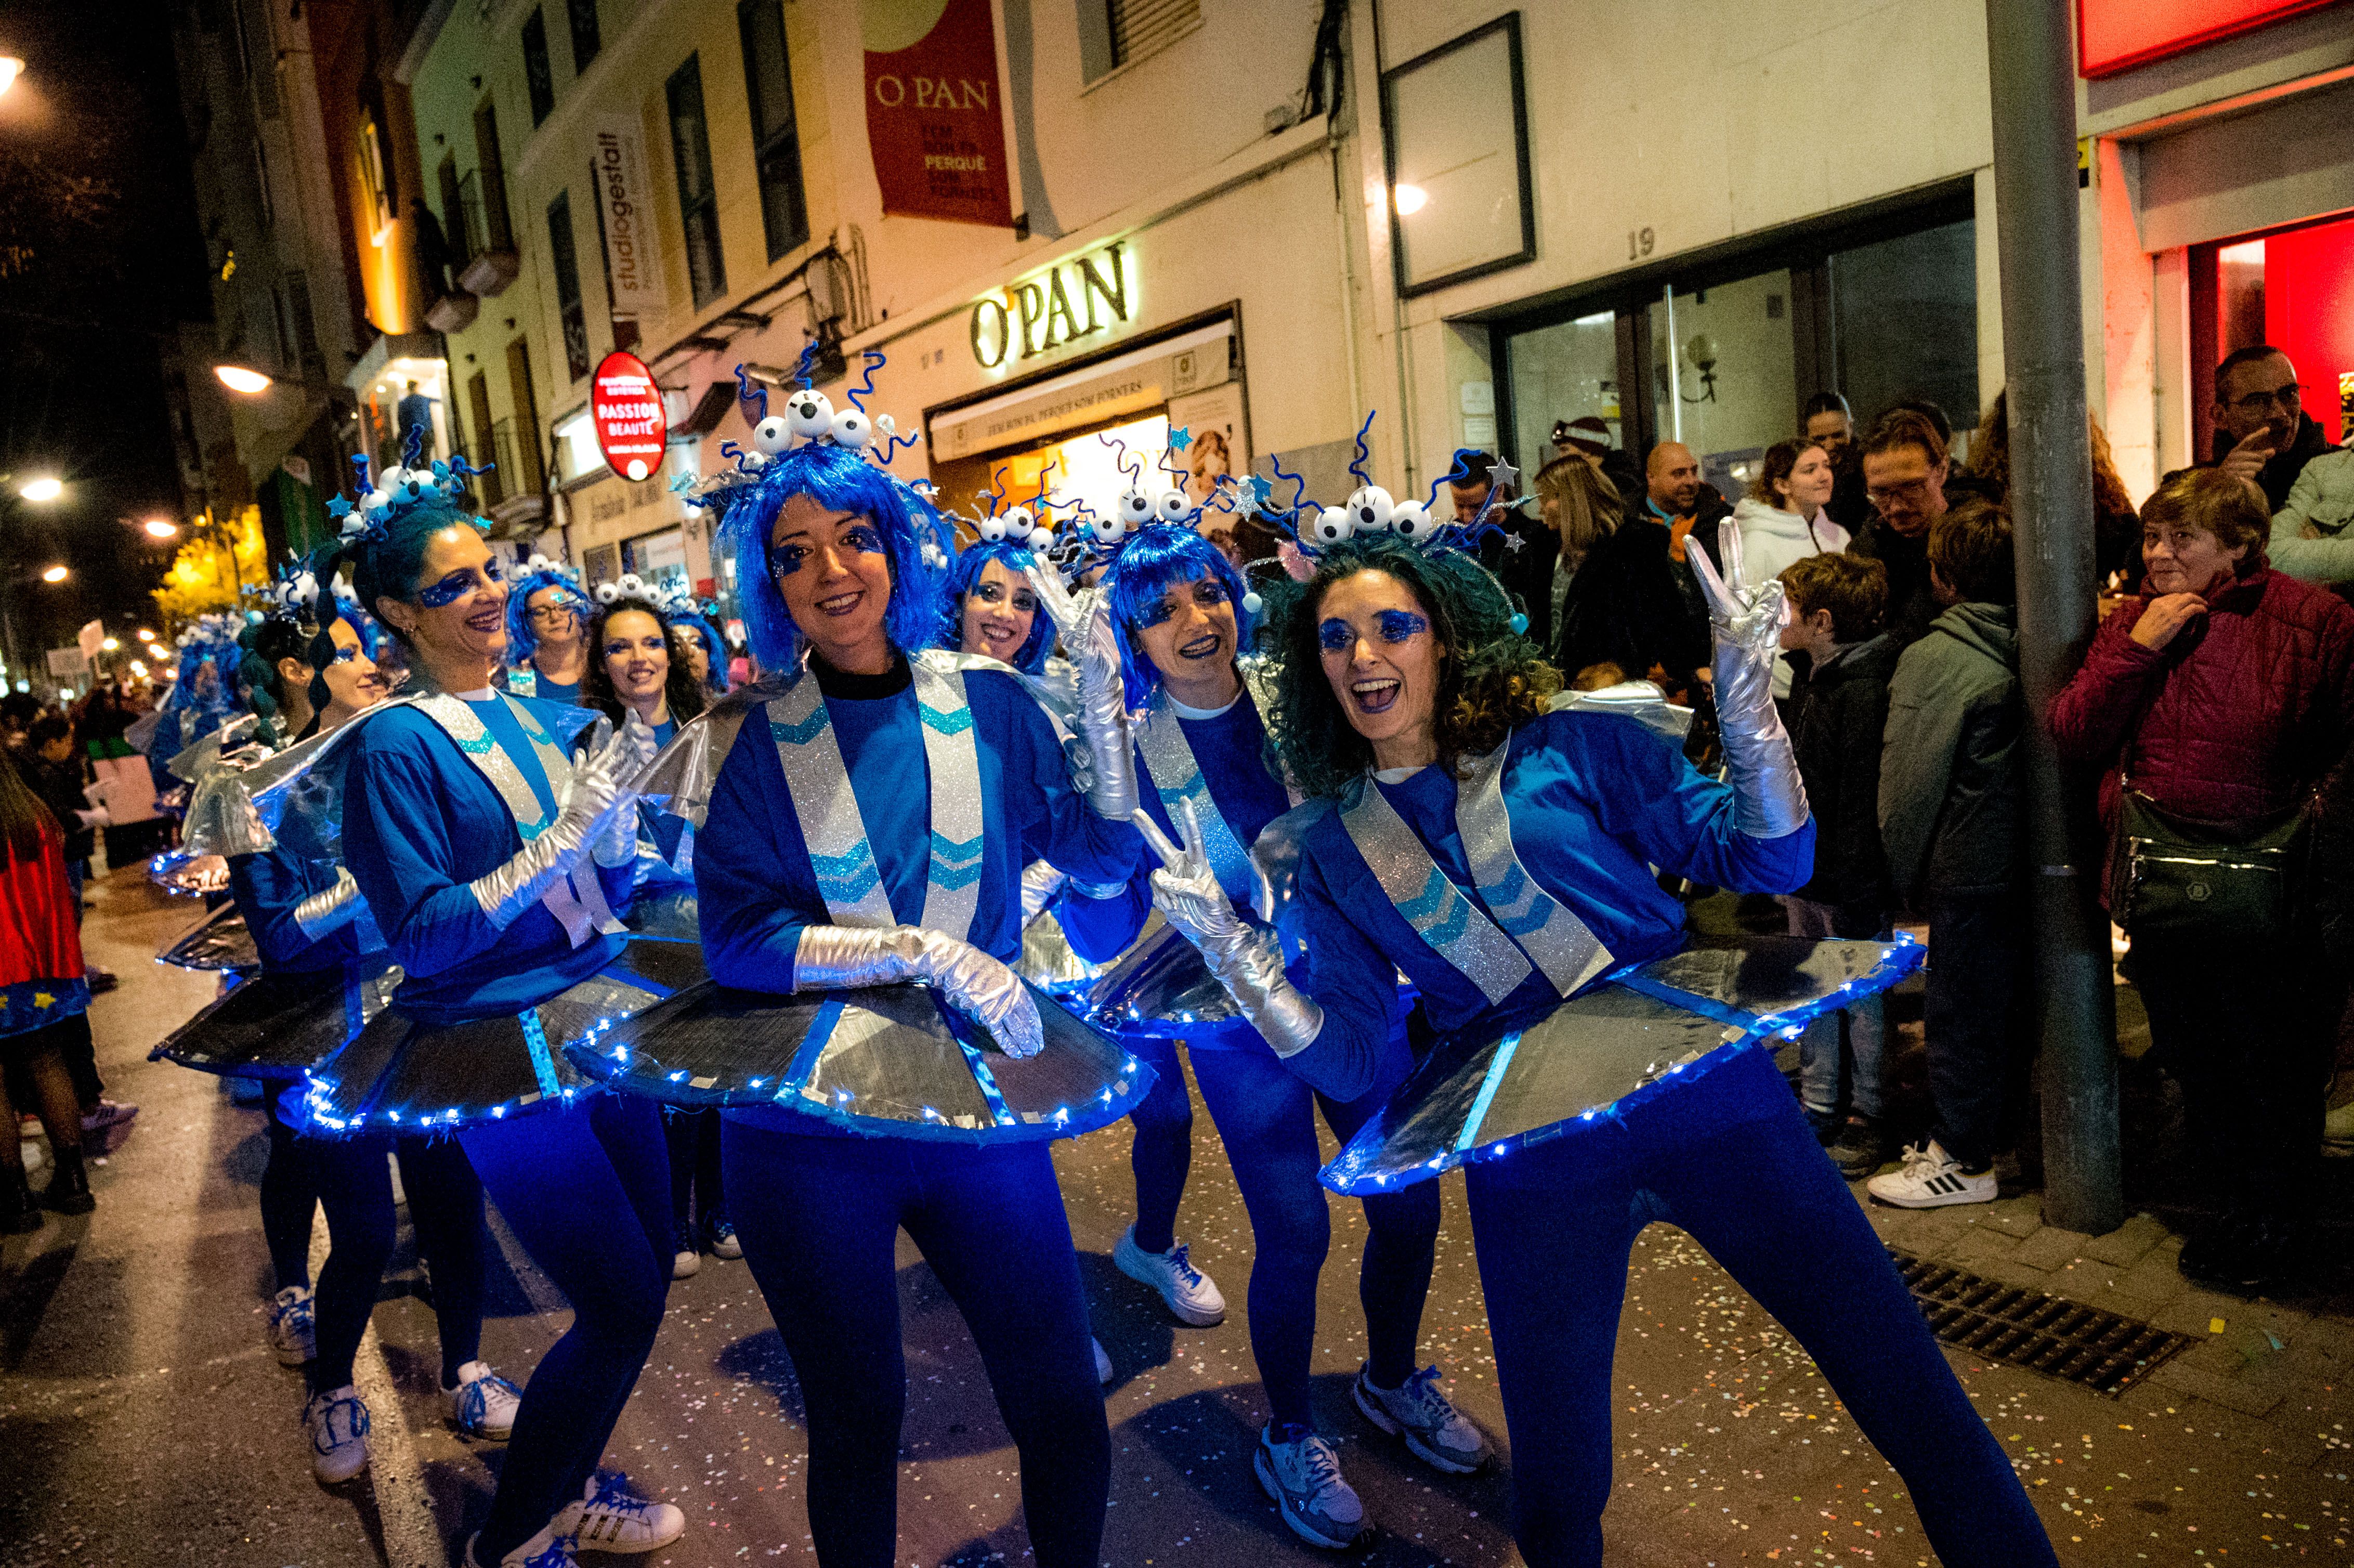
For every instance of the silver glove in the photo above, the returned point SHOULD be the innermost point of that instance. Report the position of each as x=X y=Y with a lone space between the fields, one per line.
x=1245 y=958
x=635 y=744
x=1768 y=801
x=828 y=957
x=1040 y=882
x=331 y=910
x=1084 y=622
x=591 y=799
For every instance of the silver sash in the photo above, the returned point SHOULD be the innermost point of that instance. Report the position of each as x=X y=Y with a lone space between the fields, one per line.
x=827 y=809
x=1177 y=776
x=1530 y=929
x=577 y=899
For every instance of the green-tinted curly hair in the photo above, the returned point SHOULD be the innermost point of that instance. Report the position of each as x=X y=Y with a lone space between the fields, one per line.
x=1490 y=679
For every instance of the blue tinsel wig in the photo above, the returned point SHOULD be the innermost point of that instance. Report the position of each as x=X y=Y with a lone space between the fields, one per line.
x=841 y=480
x=714 y=645
x=522 y=641
x=965 y=571
x=1142 y=570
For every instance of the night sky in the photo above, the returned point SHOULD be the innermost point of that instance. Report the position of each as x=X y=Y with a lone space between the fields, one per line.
x=99 y=253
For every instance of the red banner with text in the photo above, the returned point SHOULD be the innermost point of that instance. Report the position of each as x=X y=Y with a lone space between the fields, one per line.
x=933 y=110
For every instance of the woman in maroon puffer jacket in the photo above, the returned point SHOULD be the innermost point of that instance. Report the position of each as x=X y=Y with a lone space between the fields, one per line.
x=2228 y=694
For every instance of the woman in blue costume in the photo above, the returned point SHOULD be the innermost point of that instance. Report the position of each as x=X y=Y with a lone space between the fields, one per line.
x=990 y=609
x=820 y=865
x=306 y=918
x=1181 y=612
x=697 y=645
x=632 y=670
x=491 y=861
x=1499 y=854
x=547 y=642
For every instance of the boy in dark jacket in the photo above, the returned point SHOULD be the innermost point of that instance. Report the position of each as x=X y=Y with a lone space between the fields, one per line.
x=1838 y=711
x=1949 y=818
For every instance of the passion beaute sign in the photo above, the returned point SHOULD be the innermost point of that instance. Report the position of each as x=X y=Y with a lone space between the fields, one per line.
x=627 y=408
x=933 y=110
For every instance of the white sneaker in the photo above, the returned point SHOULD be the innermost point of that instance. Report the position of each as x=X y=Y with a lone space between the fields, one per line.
x=546 y=1549
x=1103 y=1362
x=688 y=1258
x=483 y=1404
x=1930 y=1178
x=289 y=1326
x=1191 y=1294
x=1303 y=1477
x=1437 y=1434
x=609 y=1517
x=337 y=1421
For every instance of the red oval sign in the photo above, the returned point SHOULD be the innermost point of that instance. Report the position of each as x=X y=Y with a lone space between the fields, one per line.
x=627 y=408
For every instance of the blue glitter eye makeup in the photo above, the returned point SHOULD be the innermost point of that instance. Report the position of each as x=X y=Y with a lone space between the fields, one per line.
x=784 y=560
x=1336 y=636
x=448 y=591
x=866 y=540
x=346 y=655
x=1210 y=590
x=1157 y=613
x=1398 y=625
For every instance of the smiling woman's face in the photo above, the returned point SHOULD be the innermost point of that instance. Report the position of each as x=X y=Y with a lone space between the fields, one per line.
x=1382 y=659
x=353 y=678
x=458 y=609
x=834 y=576
x=1190 y=633
x=636 y=652
x=998 y=613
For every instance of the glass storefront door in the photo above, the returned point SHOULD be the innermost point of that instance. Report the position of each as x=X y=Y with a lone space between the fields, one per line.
x=1725 y=374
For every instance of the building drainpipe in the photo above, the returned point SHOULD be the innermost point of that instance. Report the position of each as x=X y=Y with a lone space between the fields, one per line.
x=2032 y=71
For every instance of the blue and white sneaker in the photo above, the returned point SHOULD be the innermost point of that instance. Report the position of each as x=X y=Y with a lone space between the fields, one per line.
x=719 y=1235
x=546 y=1549
x=1437 y=1434
x=483 y=1404
x=1189 y=1293
x=609 y=1517
x=337 y=1421
x=291 y=1335
x=1303 y=1477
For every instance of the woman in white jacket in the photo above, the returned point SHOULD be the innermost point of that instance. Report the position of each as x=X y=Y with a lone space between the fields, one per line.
x=1782 y=520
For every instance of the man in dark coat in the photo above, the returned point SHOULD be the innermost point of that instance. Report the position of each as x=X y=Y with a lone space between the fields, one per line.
x=1906 y=469
x=2262 y=430
x=1653 y=622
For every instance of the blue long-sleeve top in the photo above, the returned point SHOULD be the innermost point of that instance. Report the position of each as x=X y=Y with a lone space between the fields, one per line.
x=754 y=886
x=1595 y=800
x=419 y=823
x=267 y=887
x=1229 y=746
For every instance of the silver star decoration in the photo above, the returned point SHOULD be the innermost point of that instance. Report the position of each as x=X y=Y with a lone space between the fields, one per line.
x=1514 y=540
x=1503 y=476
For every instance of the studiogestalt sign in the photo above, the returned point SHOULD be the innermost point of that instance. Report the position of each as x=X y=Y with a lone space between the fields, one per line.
x=632 y=254
x=1081 y=296
x=934 y=106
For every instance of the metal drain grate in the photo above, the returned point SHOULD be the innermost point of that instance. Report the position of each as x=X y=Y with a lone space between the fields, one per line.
x=2062 y=1338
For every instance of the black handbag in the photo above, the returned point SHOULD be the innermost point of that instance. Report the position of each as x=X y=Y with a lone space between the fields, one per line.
x=2172 y=875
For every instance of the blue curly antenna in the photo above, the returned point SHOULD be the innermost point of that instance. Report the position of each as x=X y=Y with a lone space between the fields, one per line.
x=465 y=470
x=806 y=363
x=1120 y=462
x=865 y=389
x=360 y=467
x=1357 y=464
x=750 y=391
x=1298 y=485
x=891 y=445
x=1462 y=470
x=412 y=446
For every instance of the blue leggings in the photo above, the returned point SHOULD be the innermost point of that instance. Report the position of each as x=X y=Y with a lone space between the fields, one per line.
x=1728 y=1159
x=445 y=1203
x=1267 y=1117
x=586 y=1189
x=820 y=1218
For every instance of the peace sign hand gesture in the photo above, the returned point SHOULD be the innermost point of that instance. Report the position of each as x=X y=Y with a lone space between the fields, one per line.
x=1243 y=957
x=1769 y=801
x=1185 y=890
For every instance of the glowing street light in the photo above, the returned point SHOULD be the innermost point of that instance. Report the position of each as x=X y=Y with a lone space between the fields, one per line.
x=55 y=574
x=47 y=488
x=1410 y=199
x=11 y=67
x=109 y=644
x=163 y=527
x=139 y=669
x=238 y=379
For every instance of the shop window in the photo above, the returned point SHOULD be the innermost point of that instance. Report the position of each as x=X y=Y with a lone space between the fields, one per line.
x=2288 y=288
x=698 y=203
x=582 y=15
x=658 y=559
x=1905 y=313
x=560 y=254
x=538 y=79
x=1568 y=371
x=776 y=141
x=1723 y=371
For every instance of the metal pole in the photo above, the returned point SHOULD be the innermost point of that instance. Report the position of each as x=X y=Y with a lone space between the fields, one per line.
x=2032 y=72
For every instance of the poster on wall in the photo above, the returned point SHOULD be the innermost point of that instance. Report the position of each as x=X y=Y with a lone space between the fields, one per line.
x=932 y=111
x=1215 y=445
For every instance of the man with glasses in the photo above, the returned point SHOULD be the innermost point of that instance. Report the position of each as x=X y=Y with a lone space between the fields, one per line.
x=2262 y=431
x=1905 y=470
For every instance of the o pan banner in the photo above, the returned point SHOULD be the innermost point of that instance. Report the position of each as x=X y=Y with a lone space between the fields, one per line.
x=933 y=110
x=632 y=254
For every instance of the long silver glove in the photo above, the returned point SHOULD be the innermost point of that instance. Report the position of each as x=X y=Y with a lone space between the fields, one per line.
x=330 y=910
x=591 y=799
x=1040 y=882
x=835 y=956
x=1084 y=622
x=1768 y=801
x=617 y=844
x=1245 y=958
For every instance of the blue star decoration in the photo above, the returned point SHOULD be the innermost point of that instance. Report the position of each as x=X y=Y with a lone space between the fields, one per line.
x=339 y=507
x=1258 y=488
x=1179 y=439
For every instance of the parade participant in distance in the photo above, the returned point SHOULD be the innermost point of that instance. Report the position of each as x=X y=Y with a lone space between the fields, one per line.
x=547 y=642
x=1501 y=855
x=695 y=642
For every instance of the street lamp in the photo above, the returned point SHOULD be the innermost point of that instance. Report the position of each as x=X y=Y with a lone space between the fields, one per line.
x=109 y=644
x=162 y=528
x=238 y=378
x=47 y=488
x=55 y=574
x=11 y=67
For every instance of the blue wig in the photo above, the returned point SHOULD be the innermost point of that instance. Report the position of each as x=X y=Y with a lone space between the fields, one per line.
x=522 y=642
x=1142 y=570
x=713 y=644
x=841 y=480
x=965 y=571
